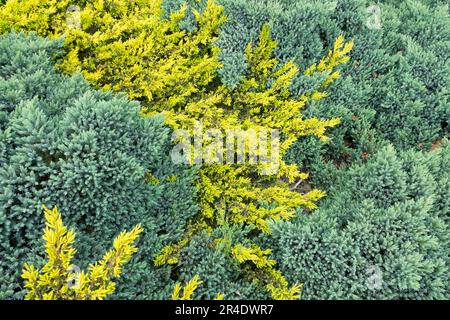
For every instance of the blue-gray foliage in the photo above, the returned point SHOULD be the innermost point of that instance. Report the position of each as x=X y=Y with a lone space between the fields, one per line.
x=381 y=233
x=90 y=153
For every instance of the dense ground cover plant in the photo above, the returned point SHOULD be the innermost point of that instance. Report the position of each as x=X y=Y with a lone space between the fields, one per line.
x=395 y=90
x=395 y=87
x=385 y=221
x=59 y=279
x=252 y=70
x=132 y=47
x=91 y=153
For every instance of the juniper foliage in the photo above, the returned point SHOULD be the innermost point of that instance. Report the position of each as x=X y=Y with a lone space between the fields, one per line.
x=91 y=153
x=382 y=232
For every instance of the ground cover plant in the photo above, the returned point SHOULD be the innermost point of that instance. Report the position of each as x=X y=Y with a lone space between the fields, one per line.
x=96 y=95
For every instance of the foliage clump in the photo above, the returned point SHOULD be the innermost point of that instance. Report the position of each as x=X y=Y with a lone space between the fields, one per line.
x=59 y=279
x=139 y=49
x=394 y=89
x=381 y=233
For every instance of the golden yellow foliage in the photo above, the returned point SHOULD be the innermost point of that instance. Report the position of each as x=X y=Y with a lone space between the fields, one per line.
x=219 y=296
x=188 y=290
x=245 y=193
x=59 y=279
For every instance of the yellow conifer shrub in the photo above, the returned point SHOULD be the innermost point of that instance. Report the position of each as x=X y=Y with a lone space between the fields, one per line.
x=188 y=289
x=129 y=46
x=244 y=193
x=126 y=45
x=59 y=279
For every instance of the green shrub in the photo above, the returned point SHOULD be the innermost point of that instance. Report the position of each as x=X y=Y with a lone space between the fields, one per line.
x=391 y=215
x=62 y=143
x=221 y=271
x=91 y=153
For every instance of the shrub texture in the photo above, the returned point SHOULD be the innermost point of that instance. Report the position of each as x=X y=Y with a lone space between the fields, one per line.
x=174 y=69
x=395 y=91
x=382 y=232
x=60 y=280
x=233 y=64
x=91 y=153
x=396 y=85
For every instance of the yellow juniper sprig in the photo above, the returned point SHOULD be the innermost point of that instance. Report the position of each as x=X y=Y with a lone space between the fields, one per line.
x=219 y=296
x=336 y=56
x=254 y=254
x=278 y=285
x=54 y=281
x=265 y=272
x=188 y=290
